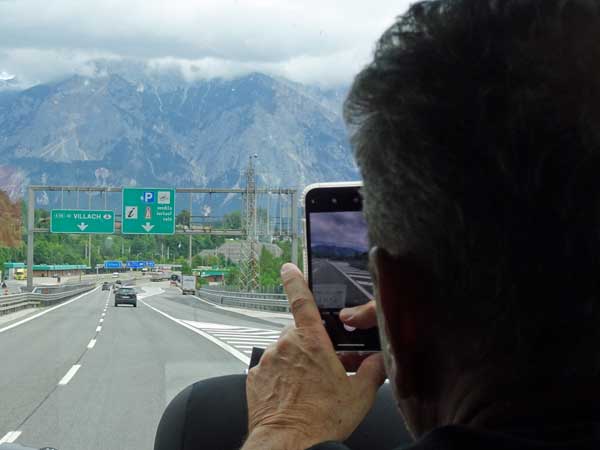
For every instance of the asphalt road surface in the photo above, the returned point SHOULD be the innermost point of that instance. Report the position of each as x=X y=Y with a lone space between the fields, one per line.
x=88 y=375
x=336 y=284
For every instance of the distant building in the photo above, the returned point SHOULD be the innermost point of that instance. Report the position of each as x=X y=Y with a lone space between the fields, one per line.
x=232 y=250
x=213 y=276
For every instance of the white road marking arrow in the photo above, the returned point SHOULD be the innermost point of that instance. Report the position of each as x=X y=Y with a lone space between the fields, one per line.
x=82 y=226
x=147 y=227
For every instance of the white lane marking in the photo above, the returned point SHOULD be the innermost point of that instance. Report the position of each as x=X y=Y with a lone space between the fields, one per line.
x=242 y=338
x=98 y=329
x=101 y=320
x=249 y=335
x=70 y=374
x=341 y=267
x=150 y=292
x=35 y=316
x=217 y=326
x=92 y=343
x=10 y=437
x=229 y=349
x=249 y=339
x=103 y=314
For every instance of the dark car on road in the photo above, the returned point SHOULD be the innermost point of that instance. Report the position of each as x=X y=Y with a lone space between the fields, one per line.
x=106 y=286
x=126 y=295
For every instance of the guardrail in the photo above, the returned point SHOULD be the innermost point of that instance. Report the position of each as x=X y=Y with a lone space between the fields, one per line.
x=17 y=302
x=251 y=300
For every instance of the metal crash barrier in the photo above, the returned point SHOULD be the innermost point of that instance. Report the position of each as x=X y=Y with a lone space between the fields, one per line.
x=251 y=300
x=42 y=296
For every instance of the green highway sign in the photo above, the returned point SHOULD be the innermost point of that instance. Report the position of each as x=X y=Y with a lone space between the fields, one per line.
x=148 y=211
x=85 y=221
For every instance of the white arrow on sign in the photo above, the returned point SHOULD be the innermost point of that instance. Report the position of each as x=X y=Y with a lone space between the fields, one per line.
x=82 y=226
x=147 y=227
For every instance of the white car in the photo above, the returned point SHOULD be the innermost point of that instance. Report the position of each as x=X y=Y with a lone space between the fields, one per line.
x=115 y=275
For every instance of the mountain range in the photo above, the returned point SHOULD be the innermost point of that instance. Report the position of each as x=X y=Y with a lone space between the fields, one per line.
x=125 y=126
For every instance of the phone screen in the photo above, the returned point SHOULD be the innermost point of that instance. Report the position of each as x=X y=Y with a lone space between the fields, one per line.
x=338 y=255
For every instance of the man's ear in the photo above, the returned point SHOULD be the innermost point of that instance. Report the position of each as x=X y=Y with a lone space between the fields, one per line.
x=400 y=288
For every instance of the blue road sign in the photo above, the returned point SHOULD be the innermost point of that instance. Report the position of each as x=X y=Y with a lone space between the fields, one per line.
x=149 y=263
x=147 y=197
x=135 y=264
x=113 y=265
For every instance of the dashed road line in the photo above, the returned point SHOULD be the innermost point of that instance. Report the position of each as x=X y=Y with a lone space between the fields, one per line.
x=69 y=375
x=98 y=329
x=92 y=343
x=10 y=437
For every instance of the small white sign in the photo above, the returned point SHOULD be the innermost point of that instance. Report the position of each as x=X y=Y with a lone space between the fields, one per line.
x=164 y=197
x=131 y=212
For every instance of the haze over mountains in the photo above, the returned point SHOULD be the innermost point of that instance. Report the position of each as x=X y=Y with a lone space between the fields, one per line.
x=125 y=126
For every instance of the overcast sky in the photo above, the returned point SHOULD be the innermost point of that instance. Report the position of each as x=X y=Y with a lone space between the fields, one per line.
x=346 y=229
x=310 y=41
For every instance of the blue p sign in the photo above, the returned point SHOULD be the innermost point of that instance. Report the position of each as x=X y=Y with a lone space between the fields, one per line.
x=148 y=197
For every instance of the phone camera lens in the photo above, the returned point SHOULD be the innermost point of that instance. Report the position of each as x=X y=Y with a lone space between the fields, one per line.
x=334 y=201
x=313 y=201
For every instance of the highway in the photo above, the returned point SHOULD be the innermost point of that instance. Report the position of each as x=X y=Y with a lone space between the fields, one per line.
x=88 y=375
x=337 y=284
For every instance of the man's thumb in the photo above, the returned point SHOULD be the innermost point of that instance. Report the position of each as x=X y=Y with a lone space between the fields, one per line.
x=371 y=373
x=362 y=317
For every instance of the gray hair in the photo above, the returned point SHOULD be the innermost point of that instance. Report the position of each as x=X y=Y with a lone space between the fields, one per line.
x=475 y=129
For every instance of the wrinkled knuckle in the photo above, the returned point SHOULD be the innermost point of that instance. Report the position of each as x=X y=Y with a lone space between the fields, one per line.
x=287 y=282
x=311 y=342
x=299 y=303
x=283 y=344
x=267 y=357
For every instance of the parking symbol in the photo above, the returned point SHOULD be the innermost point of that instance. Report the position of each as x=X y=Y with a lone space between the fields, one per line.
x=147 y=197
x=131 y=212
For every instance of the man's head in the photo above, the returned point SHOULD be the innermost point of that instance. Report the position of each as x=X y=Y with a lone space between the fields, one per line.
x=477 y=131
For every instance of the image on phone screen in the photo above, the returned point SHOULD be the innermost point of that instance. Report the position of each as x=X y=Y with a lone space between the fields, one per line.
x=340 y=255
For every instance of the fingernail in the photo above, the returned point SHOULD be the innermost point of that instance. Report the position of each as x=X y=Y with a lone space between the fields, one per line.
x=287 y=269
x=347 y=314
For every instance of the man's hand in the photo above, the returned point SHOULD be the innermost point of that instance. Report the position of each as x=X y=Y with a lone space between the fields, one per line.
x=299 y=394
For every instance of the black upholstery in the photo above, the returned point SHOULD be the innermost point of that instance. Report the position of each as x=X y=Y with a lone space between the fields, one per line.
x=212 y=415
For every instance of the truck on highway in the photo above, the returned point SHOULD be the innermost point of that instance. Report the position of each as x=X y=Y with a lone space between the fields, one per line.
x=188 y=284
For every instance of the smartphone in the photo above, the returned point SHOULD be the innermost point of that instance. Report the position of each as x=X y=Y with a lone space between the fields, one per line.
x=336 y=259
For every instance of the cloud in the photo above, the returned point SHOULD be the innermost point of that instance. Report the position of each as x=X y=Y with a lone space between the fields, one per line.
x=310 y=41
